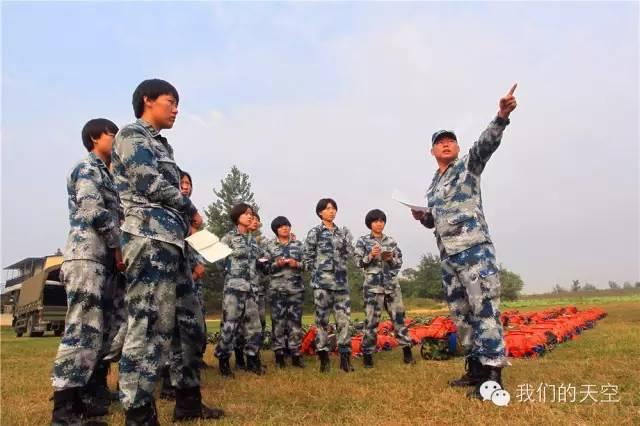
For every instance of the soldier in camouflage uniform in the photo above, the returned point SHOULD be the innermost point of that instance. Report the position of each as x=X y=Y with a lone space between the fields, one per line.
x=469 y=268
x=286 y=291
x=167 y=390
x=91 y=259
x=381 y=259
x=262 y=285
x=240 y=293
x=163 y=311
x=326 y=252
x=196 y=261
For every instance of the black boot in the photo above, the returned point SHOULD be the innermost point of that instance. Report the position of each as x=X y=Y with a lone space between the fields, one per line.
x=345 y=362
x=254 y=364
x=280 y=359
x=96 y=396
x=367 y=360
x=240 y=364
x=487 y=373
x=296 y=361
x=325 y=364
x=407 y=356
x=225 y=369
x=189 y=406
x=146 y=415
x=67 y=408
x=473 y=371
x=167 y=390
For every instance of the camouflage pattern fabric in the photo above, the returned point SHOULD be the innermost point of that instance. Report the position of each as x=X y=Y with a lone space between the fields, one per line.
x=163 y=315
x=472 y=285
x=94 y=212
x=454 y=198
x=83 y=341
x=338 y=303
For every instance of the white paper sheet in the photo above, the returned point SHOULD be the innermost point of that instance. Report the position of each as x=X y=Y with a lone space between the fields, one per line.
x=208 y=245
x=397 y=196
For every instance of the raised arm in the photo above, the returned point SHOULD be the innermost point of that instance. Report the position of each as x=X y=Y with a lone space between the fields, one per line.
x=491 y=137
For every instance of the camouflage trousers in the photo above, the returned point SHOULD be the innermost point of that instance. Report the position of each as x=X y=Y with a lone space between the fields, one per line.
x=374 y=303
x=472 y=288
x=338 y=302
x=240 y=317
x=286 y=317
x=164 y=316
x=241 y=337
x=90 y=287
x=199 y=290
x=116 y=314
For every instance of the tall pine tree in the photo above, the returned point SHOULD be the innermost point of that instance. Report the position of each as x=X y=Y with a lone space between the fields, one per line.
x=234 y=188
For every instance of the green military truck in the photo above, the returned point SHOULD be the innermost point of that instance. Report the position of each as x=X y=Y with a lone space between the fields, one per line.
x=42 y=305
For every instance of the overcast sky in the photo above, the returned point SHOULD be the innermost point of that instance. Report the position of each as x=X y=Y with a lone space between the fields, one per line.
x=340 y=99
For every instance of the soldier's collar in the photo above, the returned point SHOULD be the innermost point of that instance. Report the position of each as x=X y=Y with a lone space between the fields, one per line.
x=152 y=131
x=95 y=160
x=382 y=237
x=335 y=227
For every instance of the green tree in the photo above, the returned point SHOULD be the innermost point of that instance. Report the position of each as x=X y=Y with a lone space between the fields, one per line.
x=575 y=285
x=510 y=284
x=425 y=280
x=234 y=188
x=589 y=287
x=614 y=285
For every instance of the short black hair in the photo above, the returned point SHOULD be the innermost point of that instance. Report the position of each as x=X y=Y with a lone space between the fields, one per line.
x=278 y=222
x=183 y=174
x=94 y=129
x=152 y=89
x=255 y=213
x=373 y=215
x=323 y=203
x=238 y=210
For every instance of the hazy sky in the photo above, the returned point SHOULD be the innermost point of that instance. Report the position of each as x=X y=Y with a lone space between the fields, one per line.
x=340 y=99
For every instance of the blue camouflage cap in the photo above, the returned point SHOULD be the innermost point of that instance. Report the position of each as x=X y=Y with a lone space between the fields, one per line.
x=442 y=133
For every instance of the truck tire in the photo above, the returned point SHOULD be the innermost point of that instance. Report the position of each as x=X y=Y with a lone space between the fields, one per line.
x=30 y=328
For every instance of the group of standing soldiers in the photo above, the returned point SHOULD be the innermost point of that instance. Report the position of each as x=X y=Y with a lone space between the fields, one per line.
x=133 y=284
x=280 y=262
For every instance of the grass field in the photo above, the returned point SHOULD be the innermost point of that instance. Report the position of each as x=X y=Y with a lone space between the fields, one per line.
x=391 y=393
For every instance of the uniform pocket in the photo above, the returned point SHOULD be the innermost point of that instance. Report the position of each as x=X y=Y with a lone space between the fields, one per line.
x=489 y=277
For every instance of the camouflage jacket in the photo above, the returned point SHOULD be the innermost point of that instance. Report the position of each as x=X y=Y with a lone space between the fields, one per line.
x=379 y=276
x=455 y=200
x=240 y=266
x=286 y=279
x=326 y=252
x=94 y=212
x=148 y=181
x=262 y=276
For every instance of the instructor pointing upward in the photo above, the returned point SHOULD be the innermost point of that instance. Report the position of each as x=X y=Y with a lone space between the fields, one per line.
x=469 y=268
